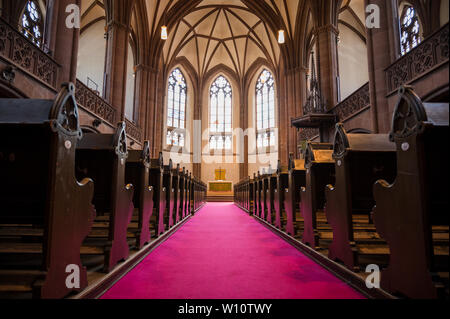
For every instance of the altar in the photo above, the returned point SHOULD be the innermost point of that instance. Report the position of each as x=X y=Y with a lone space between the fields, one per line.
x=220 y=185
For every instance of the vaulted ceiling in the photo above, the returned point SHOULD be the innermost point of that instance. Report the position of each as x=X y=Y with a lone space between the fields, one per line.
x=228 y=32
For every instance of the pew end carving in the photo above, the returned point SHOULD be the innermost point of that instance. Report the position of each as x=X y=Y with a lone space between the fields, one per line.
x=159 y=195
x=103 y=157
x=361 y=159
x=296 y=180
x=412 y=212
x=320 y=166
x=138 y=173
x=43 y=192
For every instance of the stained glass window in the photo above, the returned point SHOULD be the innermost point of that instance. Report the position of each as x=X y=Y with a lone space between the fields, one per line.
x=176 y=108
x=31 y=23
x=265 y=110
x=220 y=125
x=410 y=29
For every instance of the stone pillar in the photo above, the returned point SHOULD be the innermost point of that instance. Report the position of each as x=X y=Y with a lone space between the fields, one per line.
x=243 y=119
x=197 y=167
x=381 y=53
x=64 y=42
x=142 y=78
x=150 y=118
x=328 y=67
x=294 y=98
x=116 y=65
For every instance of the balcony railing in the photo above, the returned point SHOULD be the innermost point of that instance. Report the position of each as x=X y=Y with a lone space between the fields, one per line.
x=352 y=105
x=89 y=100
x=24 y=54
x=432 y=52
x=133 y=131
x=93 y=103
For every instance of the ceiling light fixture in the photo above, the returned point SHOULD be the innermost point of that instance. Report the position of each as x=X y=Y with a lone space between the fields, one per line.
x=281 y=37
x=164 y=33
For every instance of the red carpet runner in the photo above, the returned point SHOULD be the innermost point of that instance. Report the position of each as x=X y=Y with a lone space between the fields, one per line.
x=222 y=253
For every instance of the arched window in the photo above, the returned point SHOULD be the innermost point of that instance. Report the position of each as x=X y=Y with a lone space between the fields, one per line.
x=31 y=23
x=176 y=109
x=265 y=110
x=410 y=29
x=220 y=125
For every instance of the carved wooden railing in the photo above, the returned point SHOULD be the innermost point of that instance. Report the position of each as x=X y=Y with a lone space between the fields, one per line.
x=93 y=103
x=133 y=131
x=432 y=52
x=15 y=47
x=355 y=103
x=307 y=134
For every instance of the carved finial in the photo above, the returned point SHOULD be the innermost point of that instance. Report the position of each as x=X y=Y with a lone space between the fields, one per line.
x=313 y=82
x=315 y=102
x=146 y=158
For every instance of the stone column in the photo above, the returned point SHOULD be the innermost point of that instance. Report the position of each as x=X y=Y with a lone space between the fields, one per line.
x=381 y=53
x=243 y=119
x=150 y=118
x=197 y=167
x=294 y=98
x=142 y=78
x=64 y=42
x=116 y=64
x=328 y=67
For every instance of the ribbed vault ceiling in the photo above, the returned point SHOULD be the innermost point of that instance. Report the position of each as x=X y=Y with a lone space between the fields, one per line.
x=222 y=32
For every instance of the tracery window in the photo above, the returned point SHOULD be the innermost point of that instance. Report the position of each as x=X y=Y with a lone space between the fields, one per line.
x=220 y=125
x=410 y=29
x=265 y=110
x=31 y=23
x=176 y=109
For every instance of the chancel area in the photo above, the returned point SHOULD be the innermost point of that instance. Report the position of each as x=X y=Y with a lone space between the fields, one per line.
x=232 y=149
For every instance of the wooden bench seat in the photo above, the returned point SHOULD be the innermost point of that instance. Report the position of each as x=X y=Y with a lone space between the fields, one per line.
x=103 y=158
x=39 y=189
x=159 y=194
x=279 y=196
x=137 y=172
x=360 y=160
x=296 y=180
x=412 y=212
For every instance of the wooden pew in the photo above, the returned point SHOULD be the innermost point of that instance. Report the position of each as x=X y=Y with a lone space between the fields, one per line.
x=258 y=188
x=241 y=194
x=188 y=194
x=296 y=180
x=40 y=195
x=320 y=172
x=254 y=191
x=251 y=196
x=412 y=213
x=191 y=194
x=170 y=195
x=271 y=188
x=103 y=158
x=248 y=195
x=137 y=172
x=176 y=197
x=361 y=159
x=263 y=184
x=182 y=194
x=279 y=196
x=159 y=195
